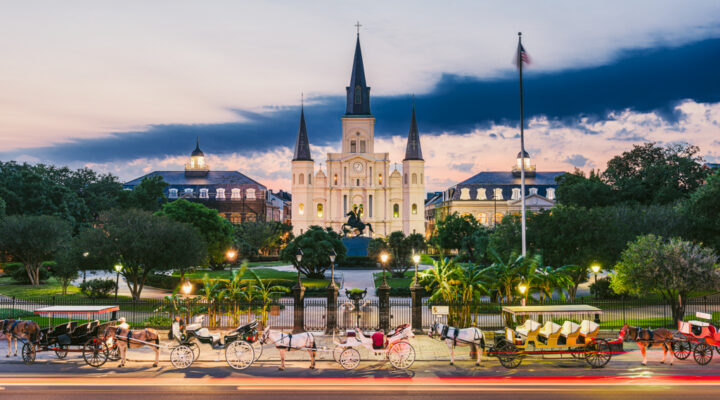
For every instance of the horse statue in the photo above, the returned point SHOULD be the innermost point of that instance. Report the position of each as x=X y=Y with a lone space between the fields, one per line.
x=355 y=223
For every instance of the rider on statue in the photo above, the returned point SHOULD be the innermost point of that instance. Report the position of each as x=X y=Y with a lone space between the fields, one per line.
x=355 y=223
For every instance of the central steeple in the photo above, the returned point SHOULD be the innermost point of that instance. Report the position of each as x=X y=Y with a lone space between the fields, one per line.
x=358 y=93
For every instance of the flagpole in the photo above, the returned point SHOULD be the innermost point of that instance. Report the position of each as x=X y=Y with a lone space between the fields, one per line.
x=522 y=147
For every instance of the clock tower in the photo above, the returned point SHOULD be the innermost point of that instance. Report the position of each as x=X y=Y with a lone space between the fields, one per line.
x=357 y=176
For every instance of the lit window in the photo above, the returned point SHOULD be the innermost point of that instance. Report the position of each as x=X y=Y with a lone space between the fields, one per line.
x=250 y=193
x=482 y=218
x=379 y=179
x=220 y=194
x=396 y=211
x=235 y=194
x=301 y=209
x=551 y=193
x=173 y=193
x=319 y=210
x=335 y=179
x=515 y=193
x=481 y=194
x=204 y=194
x=497 y=194
x=414 y=209
x=498 y=217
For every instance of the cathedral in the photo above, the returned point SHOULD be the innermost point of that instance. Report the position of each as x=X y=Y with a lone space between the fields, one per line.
x=358 y=178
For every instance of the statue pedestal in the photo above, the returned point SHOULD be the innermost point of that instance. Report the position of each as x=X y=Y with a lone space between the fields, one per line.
x=356 y=246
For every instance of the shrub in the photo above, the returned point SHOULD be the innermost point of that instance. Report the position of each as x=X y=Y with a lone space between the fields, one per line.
x=18 y=273
x=97 y=288
x=162 y=281
x=14 y=313
x=361 y=262
x=157 y=321
x=602 y=290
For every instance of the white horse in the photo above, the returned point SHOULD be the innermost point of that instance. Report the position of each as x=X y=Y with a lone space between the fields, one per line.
x=288 y=342
x=460 y=337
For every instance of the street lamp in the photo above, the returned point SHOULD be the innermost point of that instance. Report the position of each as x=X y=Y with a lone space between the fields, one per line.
x=416 y=260
x=595 y=269
x=231 y=255
x=186 y=287
x=522 y=287
x=383 y=259
x=298 y=257
x=118 y=268
x=332 y=256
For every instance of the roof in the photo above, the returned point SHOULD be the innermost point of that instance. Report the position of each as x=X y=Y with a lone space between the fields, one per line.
x=197 y=152
x=507 y=178
x=566 y=309
x=358 y=88
x=212 y=178
x=76 y=309
x=302 y=144
x=413 y=150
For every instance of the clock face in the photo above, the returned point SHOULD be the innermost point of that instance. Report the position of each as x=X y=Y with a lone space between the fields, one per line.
x=358 y=166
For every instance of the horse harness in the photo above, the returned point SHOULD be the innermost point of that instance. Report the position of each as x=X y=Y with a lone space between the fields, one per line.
x=446 y=334
x=129 y=335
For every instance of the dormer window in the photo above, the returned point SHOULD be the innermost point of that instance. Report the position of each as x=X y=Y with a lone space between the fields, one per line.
x=188 y=192
x=515 y=193
x=533 y=191
x=173 y=193
x=204 y=194
x=220 y=194
x=250 y=193
x=497 y=194
x=235 y=194
x=551 y=194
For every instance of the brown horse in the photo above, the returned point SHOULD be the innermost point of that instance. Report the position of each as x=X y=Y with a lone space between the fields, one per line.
x=645 y=338
x=125 y=338
x=15 y=330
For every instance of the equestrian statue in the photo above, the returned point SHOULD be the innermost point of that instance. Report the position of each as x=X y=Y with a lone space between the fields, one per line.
x=355 y=223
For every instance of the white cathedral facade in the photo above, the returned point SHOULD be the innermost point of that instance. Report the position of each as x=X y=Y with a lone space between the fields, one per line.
x=359 y=177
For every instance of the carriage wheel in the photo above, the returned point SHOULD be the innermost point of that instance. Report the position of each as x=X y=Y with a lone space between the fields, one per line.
x=682 y=349
x=258 y=349
x=597 y=353
x=578 y=353
x=349 y=358
x=28 y=353
x=703 y=354
x=509 y=355
x=401 y=355
x=336 y=353
x=239 y=354
x=95 y=352
x=114 y=353
x=182 y=356
x=61 y=351
x=195 y=348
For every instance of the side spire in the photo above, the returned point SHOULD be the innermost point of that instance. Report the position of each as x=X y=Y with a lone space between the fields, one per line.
x=413 y=150
x=358 y=93
x=302 y=144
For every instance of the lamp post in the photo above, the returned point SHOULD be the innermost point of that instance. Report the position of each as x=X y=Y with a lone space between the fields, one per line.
x=383 y=260
x=299 y=257
x=332 y=255
x=298 y=298
x=595 y=269
x=118 y=268
x=416 y=260
x=416 y=292
x=231 y=256
x=332 y=295
x=186 y=287
x=522 y=287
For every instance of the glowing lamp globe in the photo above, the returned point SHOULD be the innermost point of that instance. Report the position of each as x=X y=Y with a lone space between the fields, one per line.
x=416 y=259
x=595 y=268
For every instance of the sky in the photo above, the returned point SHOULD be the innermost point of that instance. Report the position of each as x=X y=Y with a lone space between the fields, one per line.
x=126 y=87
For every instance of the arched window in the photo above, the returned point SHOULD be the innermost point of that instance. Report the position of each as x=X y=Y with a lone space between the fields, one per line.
x=396 y=211
x=335 y=179
x=414 y=209
x=379 y=179
x=414 y=179
x=301 y=209
x=204 y=193
x=515 y=193
x=173 y=193
x=309 y=179
x=551 y=194
x=301 y=179
x=533 y=191
x=422 y=179
x=498 y=217
x=405 y=179
x=235 y=194
x=482 y=218
x=250 y=193
x=497 y=194
x=319 y=210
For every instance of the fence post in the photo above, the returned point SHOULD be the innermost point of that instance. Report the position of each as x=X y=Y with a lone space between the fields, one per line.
x=416 y=294
x=13 y=309
x=299 y=308
x=383 y=292
x=331 y=309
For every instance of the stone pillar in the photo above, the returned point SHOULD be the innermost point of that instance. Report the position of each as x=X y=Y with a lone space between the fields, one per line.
x=331 y=310
x=299 y=307
x=383 y=292
x=416 y=294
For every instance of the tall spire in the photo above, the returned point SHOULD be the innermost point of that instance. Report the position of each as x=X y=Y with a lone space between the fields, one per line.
x=197 y=152
x=358 y=93
x=302 y=144
x=413 y=150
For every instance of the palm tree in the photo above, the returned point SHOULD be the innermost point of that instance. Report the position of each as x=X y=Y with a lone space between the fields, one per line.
x=440 y=280
x=233 y=292
x=209 y=292
x=265 y=293
x=510 y=274
x=474 y=282
x=548 y=279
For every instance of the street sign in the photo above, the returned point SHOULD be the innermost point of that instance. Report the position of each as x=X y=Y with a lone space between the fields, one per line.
x=440 y=310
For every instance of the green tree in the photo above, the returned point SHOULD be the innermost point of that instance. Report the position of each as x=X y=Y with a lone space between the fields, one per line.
x=31 y=240
x=703 y=209
x=574 y=189
x=376 y=247
x=400 y=253
x=451 y=232
x=264 y=237
x=509 y=274
x=671 y=268
x=214 y=229
x=210 y=290
x=316 y=244
x=266 y=293
x=144 y=243
x=149 y=195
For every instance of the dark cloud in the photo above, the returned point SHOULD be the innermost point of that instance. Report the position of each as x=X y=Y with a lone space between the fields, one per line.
x=641 y=80
x=577 y=160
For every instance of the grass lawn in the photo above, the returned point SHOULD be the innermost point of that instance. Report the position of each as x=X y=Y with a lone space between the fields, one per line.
x=52 y=287
x=262 y=273
x=266 y=263
x=395 y=282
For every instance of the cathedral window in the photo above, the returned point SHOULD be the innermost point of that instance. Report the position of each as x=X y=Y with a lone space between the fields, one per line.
x=422 y=179
x=173 y=194
x=358 y=95
x=319 y=210
x=335 y=179
x=345 y=176
x=220 y=194
x=344 y=204
x=235 y=193
x=550 y=194
x=414 y=209
x=414 y=179
x=204 y=194
x=362 y=146
x=301 y=209
x=309 y=179
x=251 y=193
x=396 y=211
x=497 y=194
x=301 y=179
x=405 y=179
x=357 y=182
x=370 y=205
x=353 y=146
x=379 y=179
x=515 y=193
x=370 y=175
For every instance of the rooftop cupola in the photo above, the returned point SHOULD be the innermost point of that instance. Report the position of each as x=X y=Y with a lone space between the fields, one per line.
x=197 y=165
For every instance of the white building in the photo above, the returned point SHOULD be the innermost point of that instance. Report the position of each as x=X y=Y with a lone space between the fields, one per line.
x=390 y=200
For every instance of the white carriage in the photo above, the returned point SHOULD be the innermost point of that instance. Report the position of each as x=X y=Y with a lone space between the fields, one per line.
x=396 y=348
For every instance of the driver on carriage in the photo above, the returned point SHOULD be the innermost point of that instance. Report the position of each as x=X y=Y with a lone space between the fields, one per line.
x=122 y=324
x=379 y=341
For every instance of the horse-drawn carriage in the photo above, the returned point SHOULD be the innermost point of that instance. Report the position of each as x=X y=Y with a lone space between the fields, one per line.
x=70 y=337
x=575 y=338
x=393 y=347
x=241 y=345
x=697 y=338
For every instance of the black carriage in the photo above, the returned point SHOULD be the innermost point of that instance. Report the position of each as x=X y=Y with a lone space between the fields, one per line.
x=241 y=344
x=71 y=337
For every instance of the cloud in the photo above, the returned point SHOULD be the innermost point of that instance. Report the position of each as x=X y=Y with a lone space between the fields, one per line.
x=577 y=160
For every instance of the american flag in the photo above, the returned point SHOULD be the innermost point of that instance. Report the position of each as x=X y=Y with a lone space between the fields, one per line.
x=521 y=56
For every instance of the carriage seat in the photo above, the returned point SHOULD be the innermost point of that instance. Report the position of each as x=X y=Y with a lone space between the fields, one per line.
x=549 y=329
x=510 y=337
x=205 y=333
x=588 y=327
x=193 y=327
x=528 y=327
x=399 y=329
x=698 y=323
x=568 y=328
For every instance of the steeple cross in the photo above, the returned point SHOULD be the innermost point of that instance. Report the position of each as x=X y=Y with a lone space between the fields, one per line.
x=357 y=25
